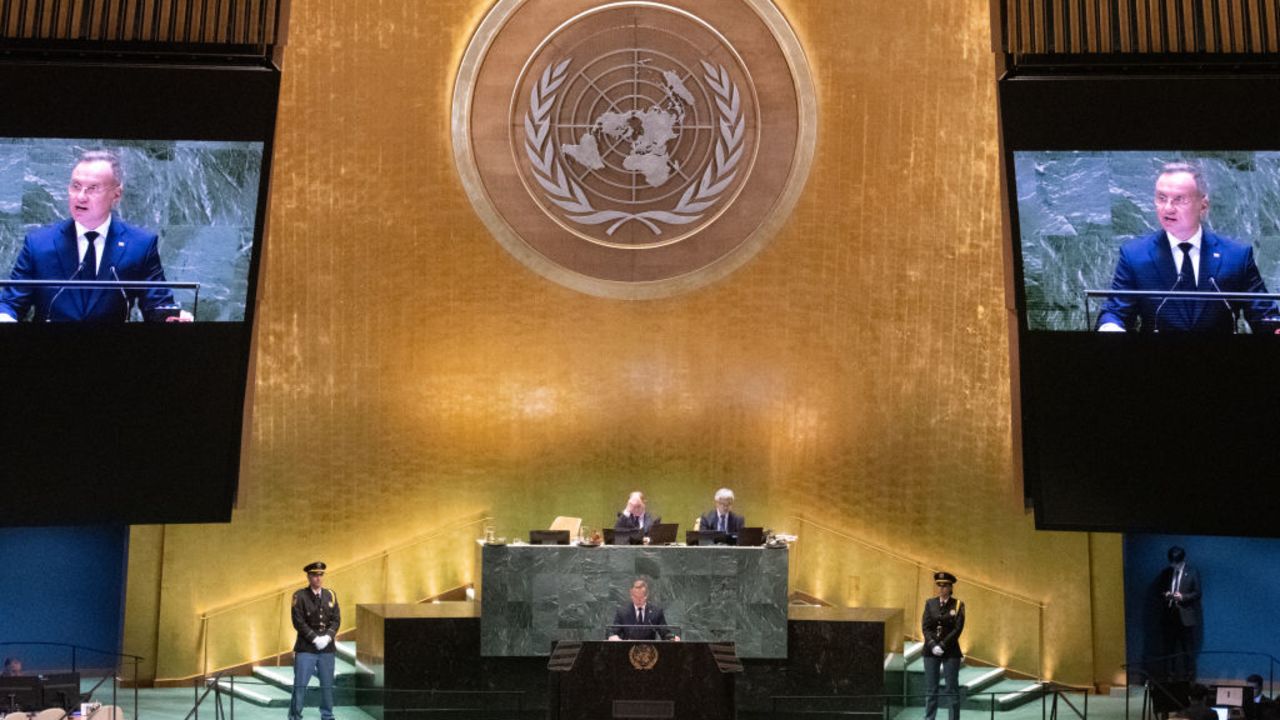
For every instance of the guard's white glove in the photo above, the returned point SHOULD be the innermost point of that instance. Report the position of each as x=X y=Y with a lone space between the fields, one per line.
x=321 y=642
x=937 y=650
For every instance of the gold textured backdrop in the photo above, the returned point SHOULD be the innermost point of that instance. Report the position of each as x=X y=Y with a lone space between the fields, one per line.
x=410 y=374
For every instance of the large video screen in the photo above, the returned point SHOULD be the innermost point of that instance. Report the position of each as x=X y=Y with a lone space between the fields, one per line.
x=1143 y=241
x=123 y=398
x=1092 y=221
x=181 y=211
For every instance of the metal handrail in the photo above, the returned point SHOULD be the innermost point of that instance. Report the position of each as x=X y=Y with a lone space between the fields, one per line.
x=919 y=564
x=1150 y=682
x=212 y=686
x=920 y=567
x=281 y=593
x=289 y=588
x=1048 y=689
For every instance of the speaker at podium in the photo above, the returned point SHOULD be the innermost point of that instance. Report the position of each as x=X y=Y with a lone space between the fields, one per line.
x=642 y=679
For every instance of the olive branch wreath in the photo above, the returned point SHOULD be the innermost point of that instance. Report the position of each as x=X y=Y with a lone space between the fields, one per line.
x=568 y=195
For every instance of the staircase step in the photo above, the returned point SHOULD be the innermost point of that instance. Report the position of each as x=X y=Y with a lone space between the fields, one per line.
x=272 y=685
x=1007 y=694
x=980 y=679
x=344 y=674
x=256 y=692
x=972 y=680
x=346 y=650
x=912 y=651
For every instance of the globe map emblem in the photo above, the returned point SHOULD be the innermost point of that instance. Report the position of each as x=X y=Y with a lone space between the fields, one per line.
x=636 y=147
x=633 y=149
x=641 y=125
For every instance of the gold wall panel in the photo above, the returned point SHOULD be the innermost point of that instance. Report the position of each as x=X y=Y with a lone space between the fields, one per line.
x=410 y=372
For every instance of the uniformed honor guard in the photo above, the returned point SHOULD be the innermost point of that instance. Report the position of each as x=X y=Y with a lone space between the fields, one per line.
x=316 y=617
x=942 y=624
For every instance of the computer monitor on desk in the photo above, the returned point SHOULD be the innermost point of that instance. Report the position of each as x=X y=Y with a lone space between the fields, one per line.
x=62 y=690
x=623 y=537
x=548 y=537
x=706 y=537
x=20 y=693
x=751 y=536
x=663 y=533
x=1232 y=701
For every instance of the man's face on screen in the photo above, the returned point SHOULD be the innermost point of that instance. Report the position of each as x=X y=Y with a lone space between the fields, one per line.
x=1179 y=204
x=315 y=580
x=92 y=193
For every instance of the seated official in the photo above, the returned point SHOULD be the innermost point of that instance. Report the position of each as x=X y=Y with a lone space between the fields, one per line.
x=1257 y=699
x=1198 y=708
x=722 y=518
x=636 y=516
x=639 y=619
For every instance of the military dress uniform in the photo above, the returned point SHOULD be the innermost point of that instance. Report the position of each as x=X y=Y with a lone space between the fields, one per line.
x=941 y=625
x=315 y=615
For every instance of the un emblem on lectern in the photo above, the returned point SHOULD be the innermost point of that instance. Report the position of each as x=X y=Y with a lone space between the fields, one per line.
x=635 y=148
x=643 y=656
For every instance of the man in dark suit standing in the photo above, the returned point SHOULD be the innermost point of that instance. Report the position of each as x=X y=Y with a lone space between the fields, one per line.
x=639 y=619
x=635 y=516
x=62 y=252
x=1182 y=614
x=316 y=616
x=941 y=625
x=1184 y=256
x=721 y=518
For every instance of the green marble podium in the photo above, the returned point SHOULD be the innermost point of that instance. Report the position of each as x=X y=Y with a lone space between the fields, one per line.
x=532 y=596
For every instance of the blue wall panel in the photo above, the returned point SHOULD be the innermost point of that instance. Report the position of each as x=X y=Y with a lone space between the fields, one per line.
x=62 y=585
x=1241 y=579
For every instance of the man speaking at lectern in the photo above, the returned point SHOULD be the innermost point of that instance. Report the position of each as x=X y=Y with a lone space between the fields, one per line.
x=640 y=620
x=1183 y=256
x=61 y=251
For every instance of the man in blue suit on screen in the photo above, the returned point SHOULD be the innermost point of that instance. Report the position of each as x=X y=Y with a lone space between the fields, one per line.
x=1184 y=256
x=93 y=244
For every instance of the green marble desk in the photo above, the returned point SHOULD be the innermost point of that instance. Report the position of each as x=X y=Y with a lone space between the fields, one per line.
x=534 y=595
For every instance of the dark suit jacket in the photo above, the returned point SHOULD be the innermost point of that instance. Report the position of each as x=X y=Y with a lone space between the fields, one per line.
x=49 y=253
x=1188 y=612
x=629 y=522
x=626 y=626
x=312 y=618
x=1148 y=264
x=736 y=522
x=942 y=625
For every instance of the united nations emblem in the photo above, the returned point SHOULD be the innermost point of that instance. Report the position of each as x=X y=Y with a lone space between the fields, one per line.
x=635 y=148
x=643 y=656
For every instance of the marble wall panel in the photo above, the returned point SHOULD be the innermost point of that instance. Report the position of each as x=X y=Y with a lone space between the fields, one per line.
x=1075 y=209
x=200 y=197
x=11 y=167
x=535 y=595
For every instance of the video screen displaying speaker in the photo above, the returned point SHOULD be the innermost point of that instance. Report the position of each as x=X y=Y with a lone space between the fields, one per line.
x=1143 y=248
x=122 y=398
